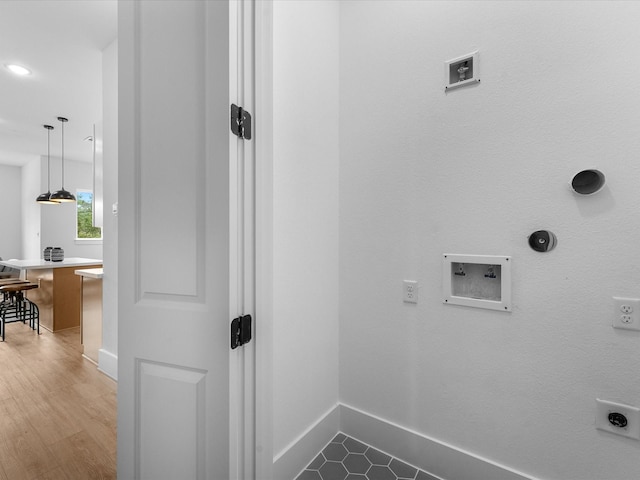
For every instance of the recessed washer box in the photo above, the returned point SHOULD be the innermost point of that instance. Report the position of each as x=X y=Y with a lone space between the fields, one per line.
x=480 y=281
x=461 y=71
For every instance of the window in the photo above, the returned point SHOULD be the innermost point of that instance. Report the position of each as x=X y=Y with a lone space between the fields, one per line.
x=84 y=217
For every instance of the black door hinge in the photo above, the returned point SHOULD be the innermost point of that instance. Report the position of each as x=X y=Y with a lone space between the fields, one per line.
x=240 y=331
x=240 y=122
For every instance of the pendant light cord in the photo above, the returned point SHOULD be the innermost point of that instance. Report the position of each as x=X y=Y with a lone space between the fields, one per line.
x=62 y=195
x=48 y=160
x=62 y=122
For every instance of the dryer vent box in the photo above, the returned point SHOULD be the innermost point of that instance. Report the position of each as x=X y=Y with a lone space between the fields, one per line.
x=461 y=71
x=481 y=281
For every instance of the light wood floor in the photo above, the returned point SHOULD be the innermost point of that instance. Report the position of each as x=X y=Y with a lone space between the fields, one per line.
x=57 y=412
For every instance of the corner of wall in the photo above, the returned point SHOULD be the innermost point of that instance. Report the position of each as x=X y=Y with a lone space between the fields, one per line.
x=291 y=461
x=31 y=211
x=108 y=363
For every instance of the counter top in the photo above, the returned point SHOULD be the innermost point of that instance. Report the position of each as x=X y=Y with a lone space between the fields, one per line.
x=90 y=272
x=39 y=263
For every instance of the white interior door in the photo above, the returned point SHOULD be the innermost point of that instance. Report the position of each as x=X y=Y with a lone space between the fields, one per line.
x=177 y=228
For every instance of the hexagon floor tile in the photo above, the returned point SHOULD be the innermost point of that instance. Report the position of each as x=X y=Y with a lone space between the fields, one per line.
x=345 y=458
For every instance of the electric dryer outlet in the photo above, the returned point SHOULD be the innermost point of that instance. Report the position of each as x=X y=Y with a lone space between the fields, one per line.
x=626 y=313
x=618 y=418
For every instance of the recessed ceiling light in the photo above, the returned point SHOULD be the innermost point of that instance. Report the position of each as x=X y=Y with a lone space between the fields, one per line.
x=18 y=69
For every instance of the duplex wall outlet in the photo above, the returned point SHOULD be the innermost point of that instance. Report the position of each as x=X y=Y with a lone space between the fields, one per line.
x=618 y=418
x=410 y=291
x=626 y=313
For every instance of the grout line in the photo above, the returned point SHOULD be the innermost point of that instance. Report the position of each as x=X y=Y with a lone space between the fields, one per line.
x=369 y=447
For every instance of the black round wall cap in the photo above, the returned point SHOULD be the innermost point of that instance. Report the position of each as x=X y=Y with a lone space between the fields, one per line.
x=542 y=241
x=588 y=182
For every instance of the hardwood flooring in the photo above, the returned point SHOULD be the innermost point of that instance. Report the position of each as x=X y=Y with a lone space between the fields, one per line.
x=57 y=411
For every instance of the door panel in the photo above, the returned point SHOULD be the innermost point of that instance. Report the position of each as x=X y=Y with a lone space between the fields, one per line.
x=172 y=127
x=174 y=240
x=163 y=388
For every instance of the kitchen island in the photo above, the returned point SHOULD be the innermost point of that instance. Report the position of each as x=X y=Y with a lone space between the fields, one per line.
x=91 y=326
x=59 y=297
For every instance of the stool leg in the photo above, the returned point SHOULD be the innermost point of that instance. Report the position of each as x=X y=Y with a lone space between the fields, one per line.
x=37 y=310
x=32 y=315
x=28 y=314
x=32 y=322
x=22 y=307
x=3 y=312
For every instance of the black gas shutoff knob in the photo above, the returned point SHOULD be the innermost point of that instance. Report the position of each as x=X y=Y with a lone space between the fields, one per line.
x=617 y=419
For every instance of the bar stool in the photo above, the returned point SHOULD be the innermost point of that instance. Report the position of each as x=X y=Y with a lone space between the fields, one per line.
x=15 y=307
x=10 y=281
x=8 y=272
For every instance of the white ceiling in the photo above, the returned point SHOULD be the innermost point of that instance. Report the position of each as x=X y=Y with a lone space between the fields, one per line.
x=61 y=42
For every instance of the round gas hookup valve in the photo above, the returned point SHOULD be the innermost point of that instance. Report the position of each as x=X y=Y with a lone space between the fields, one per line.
x=542 y=241
x=588 y=182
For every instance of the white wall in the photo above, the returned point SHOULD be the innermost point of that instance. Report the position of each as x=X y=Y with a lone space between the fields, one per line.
x=10 y=197
x=32 y=175
x=475 y=171
x=109 y=352
x=58 y=222
x=305 y=289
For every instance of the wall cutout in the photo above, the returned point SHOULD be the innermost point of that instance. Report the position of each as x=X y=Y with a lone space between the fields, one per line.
x=588 y=182
x=543 y=241
x=461 y=71
x=481 y=281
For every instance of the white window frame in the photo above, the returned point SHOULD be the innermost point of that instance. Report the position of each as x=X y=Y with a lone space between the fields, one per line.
x=86 y=241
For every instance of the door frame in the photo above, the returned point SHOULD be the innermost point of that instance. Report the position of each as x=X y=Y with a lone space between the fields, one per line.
x=242 y=228
x=253 y=434
x=263 y=131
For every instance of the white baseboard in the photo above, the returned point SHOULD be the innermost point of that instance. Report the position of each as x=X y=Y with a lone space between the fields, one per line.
x=437 y=458
x=108 y=363
x=433 y=456
x=90 y=359
x=288 y=463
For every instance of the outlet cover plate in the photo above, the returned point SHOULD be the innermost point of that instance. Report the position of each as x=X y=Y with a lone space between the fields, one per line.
x=604 y=408
x=410 y=291
x=626 y=314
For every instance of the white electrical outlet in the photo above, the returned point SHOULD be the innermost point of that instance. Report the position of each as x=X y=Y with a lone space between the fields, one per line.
x=410 y=291
x=626 y=313
x=618 y=418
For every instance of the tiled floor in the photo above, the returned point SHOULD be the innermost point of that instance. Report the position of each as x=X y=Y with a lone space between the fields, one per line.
x=348 y=459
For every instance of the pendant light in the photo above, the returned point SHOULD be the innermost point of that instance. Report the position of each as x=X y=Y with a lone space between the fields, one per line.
x=46 y=197
x=62 y=195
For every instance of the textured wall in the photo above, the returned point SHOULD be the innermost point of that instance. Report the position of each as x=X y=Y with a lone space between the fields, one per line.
x=474 y=171
x=305 y=216
x=33 y=173
x=11 y=198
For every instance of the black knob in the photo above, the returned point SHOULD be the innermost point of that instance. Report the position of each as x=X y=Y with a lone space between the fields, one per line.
x=617 y=419
x=542 y=241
